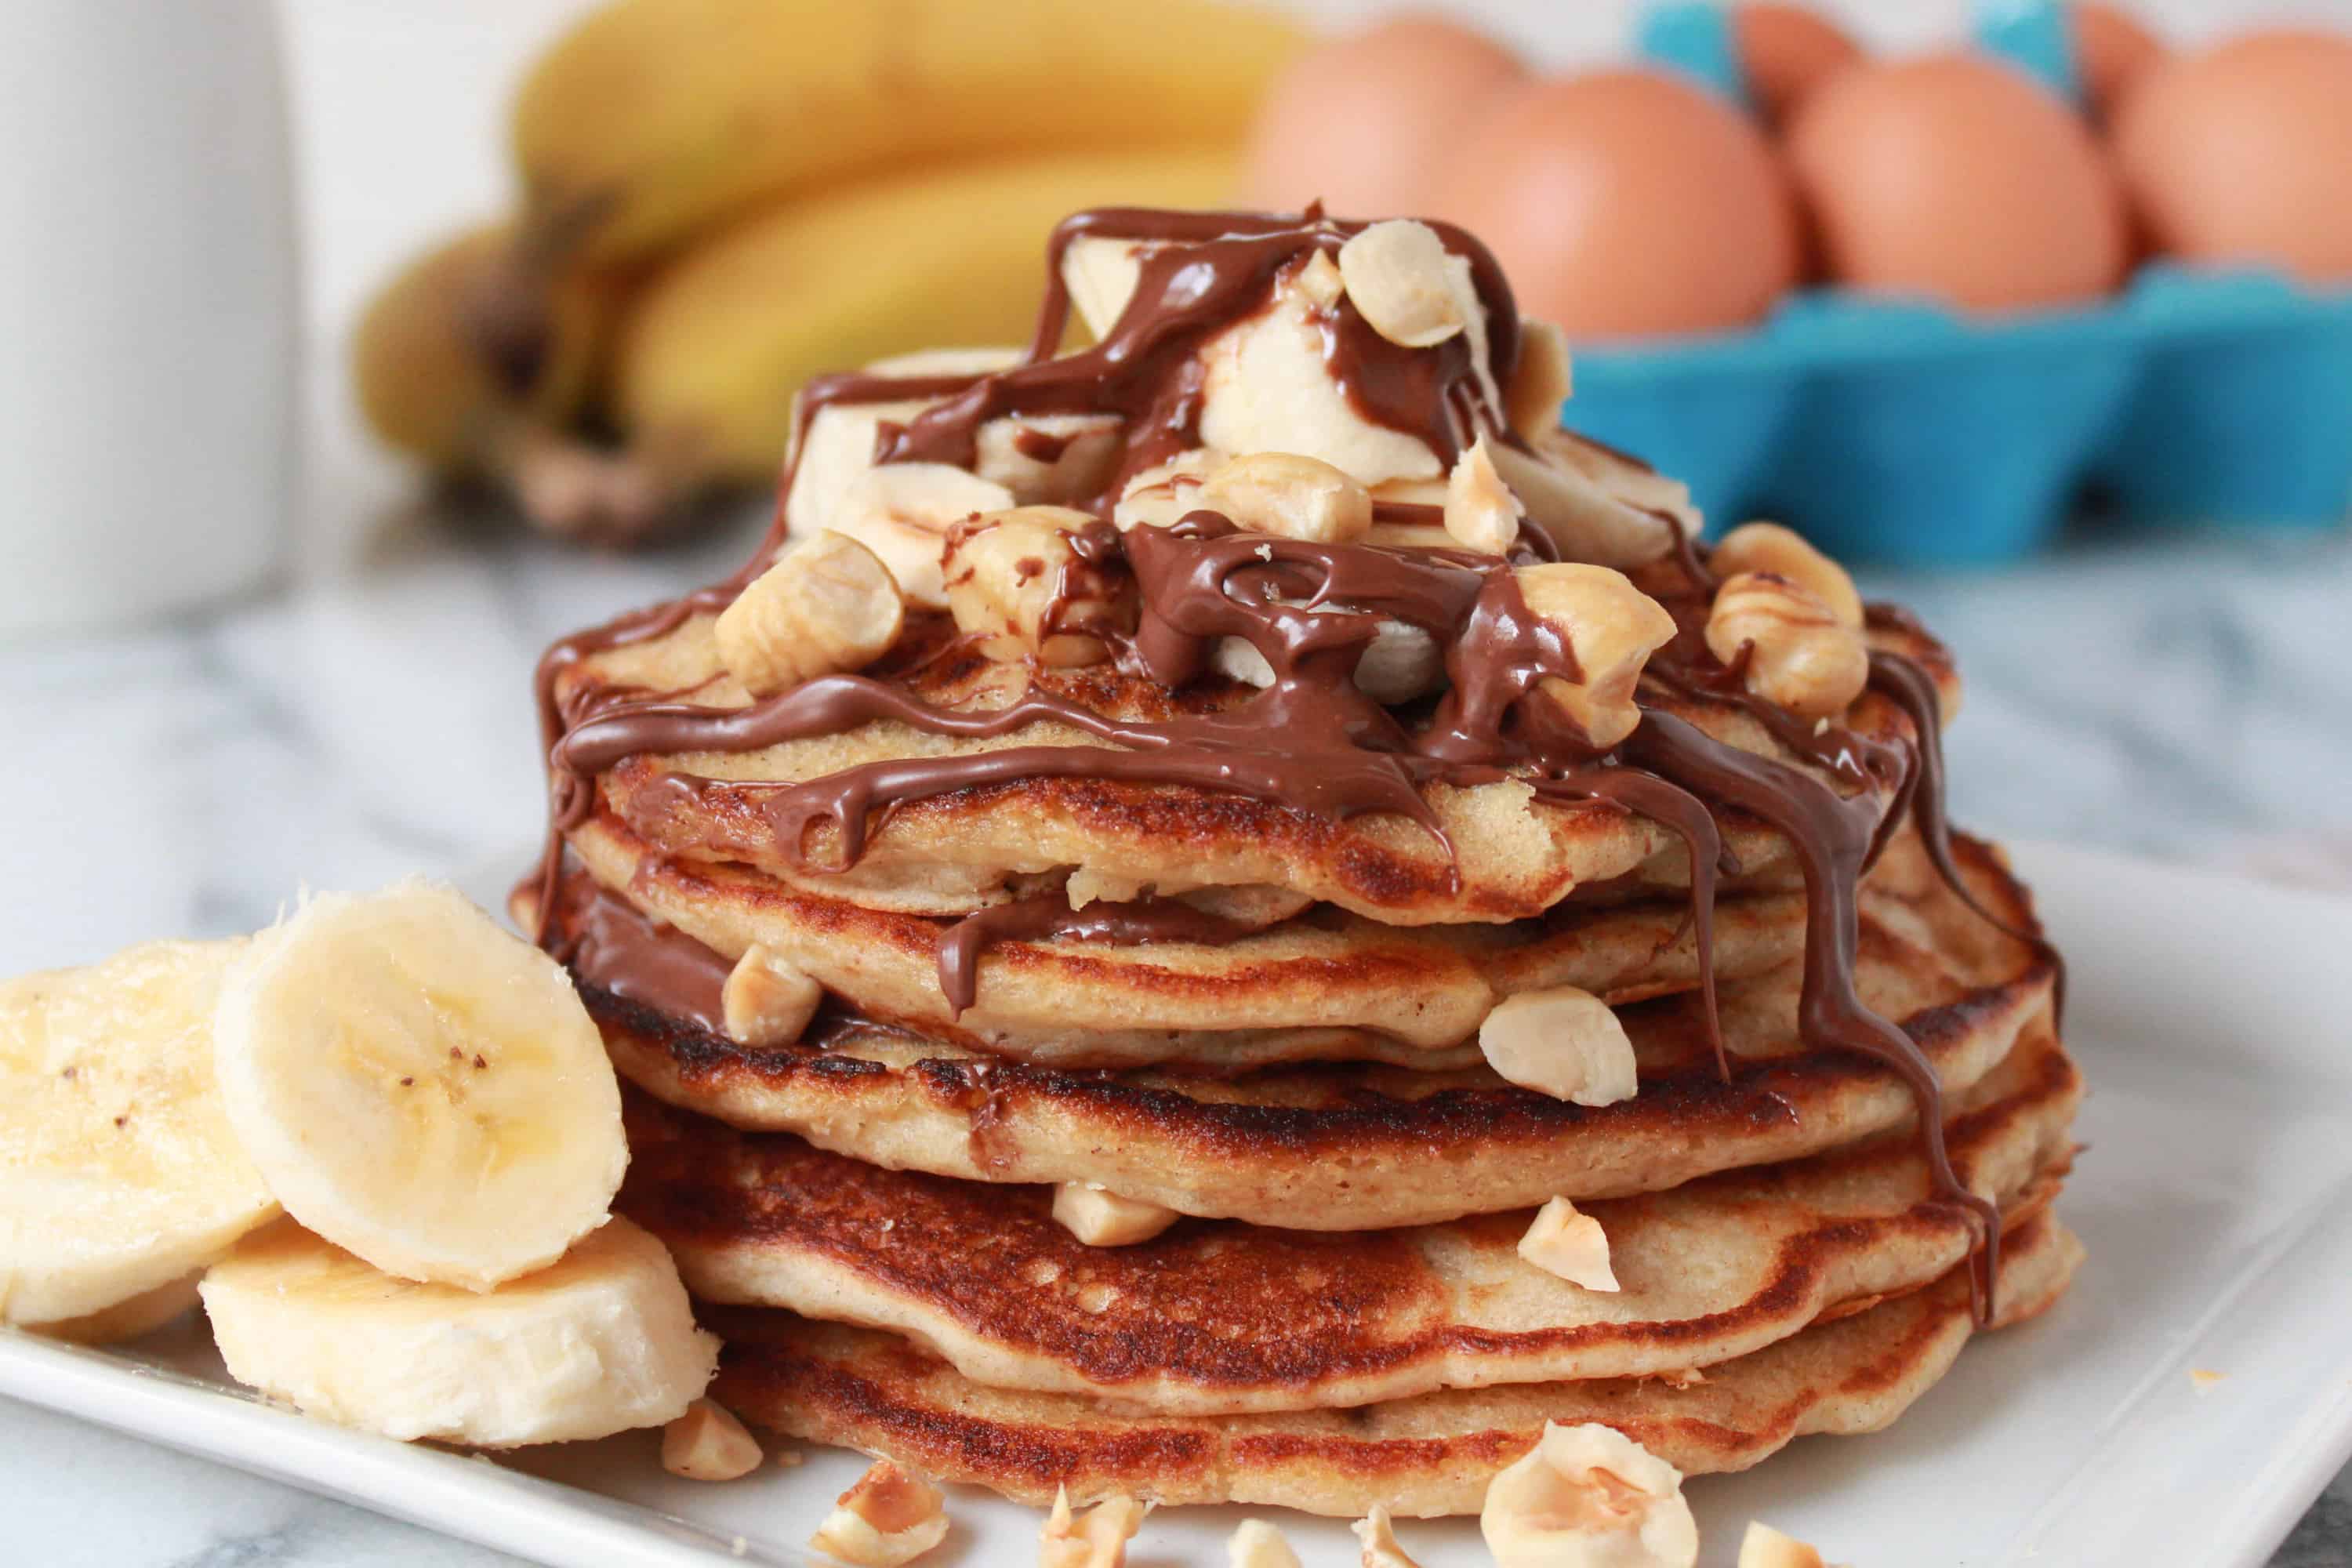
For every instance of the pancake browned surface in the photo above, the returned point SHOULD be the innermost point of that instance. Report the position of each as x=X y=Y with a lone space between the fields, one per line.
x=1218 y=1316
x=1359 y=1146
x=1419 y=1457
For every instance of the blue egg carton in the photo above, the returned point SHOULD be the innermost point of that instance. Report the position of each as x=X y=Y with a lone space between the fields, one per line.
x=1904 y=431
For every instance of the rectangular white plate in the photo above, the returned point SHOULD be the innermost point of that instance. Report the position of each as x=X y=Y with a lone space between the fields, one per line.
x=2214 y=1197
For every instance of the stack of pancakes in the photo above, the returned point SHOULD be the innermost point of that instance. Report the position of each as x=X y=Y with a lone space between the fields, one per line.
x=1275 y=1035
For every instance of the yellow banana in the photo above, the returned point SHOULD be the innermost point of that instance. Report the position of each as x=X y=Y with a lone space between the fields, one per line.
x=708 y=358
x=427 y=381
x=653 y=119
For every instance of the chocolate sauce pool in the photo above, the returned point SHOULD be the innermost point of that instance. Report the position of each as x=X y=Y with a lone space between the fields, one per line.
x=1309 y=742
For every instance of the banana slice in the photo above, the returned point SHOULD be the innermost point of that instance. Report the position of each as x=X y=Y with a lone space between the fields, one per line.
x=142 y=1314
x=421 y=1088
x=120 y=1173
x=600 y=1343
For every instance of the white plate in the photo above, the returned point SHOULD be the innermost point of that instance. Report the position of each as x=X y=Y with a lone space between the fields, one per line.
x=2213 y=1197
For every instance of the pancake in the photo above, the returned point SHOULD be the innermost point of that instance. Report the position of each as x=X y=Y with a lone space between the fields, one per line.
x=1325 y=986
x=1419 y=1457
x=1357 y=1146
x=1215 y=1317
x=1513 y=857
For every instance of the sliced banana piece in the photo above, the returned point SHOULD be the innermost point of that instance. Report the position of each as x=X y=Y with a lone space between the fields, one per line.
x=420 y=1086
x=142 y=1314
x=120 y=1172
x=600 y=1343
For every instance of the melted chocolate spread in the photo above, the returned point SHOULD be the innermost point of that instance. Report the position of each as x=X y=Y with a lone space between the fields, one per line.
x=1310 y=741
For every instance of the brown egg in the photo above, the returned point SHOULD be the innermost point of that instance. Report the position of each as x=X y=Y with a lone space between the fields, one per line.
x=1961 y=178
x=1363 y=121
x=2243 y=152
x=1628 y=203
x=1787 y=51
x=2111 y=51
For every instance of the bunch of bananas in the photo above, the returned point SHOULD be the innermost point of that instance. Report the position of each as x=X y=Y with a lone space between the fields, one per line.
x=723 y=198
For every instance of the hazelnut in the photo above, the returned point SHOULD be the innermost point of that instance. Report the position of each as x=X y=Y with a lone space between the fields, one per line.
x=1294 y=497
x=1612 y=628
x=1396 y=273
x=1584 y=517
x=1255 y=1543
x=1765 y=1547
x=902 y=512
x=708 y=1444
x=1588 y=1494
x=1540 y=382
x=1380 y=1548
x=1560 y=1041
x=886 y=1518
x=1102 y=1219
x=1097 y=1541
x=1570 y=1245
x=828 y=603
x=1780 y=551
x=767 y=1002
x=1161 y=495
x=1014 y=580
x=1054 y=458
x=1481 y=512
x=1798 y=656
x=1321 y=281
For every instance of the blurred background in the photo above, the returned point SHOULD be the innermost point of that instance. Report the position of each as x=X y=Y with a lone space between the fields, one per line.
x=2043 y=314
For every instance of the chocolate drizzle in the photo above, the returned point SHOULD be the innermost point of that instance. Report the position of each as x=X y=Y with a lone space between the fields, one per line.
x=1308 y=740
x=599 y=933
x=1047 y=917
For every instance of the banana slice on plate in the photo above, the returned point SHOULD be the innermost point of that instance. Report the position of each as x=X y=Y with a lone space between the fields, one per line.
x=420 y=1086
x=120 y=1173
x=602 y=1341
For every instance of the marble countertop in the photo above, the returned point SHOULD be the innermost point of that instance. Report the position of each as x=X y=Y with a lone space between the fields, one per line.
x=2188 y=698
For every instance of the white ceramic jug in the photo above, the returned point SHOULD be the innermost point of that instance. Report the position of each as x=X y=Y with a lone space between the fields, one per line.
x=148 y=307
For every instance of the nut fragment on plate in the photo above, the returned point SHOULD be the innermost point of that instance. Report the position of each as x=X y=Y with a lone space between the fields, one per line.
x=1562 y=1041
x=1380 y=1548
x=828 y=603
x=1103 y=1218
x=1097 y=1540
x=1588 y=1494
x=1541 y=382
x=1481 y=512
x=1015 y=580
x=1395 y=272
x=1570 y=1245
x=1784 y=553
x=1612 y=627
x=708 y=1444
x=886 y=1518
x=767 y=1002
x=1255 y=1543
x=1765 y=1547
x=1798 y=656
x=1286 y=494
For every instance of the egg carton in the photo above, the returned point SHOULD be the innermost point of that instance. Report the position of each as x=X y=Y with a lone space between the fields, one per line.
x=1905 y=431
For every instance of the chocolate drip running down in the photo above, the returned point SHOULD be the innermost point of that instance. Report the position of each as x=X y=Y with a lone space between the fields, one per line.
x=1310 y=741
x=1048 y=917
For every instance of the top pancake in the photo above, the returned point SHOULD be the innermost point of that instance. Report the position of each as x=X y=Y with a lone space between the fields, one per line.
x=1514 y=857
